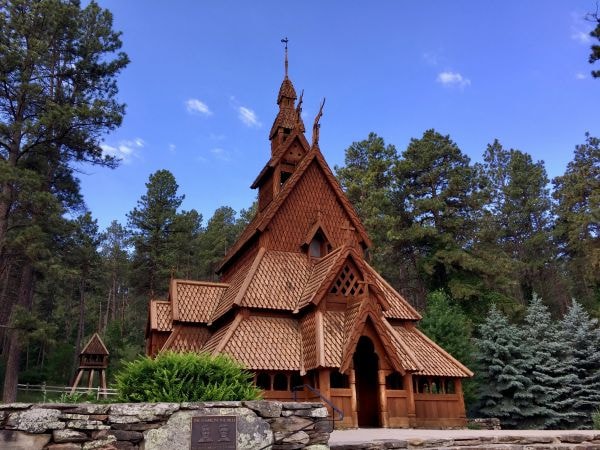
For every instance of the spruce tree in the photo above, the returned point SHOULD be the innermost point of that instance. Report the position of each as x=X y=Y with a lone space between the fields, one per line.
x=581 y=339
x=545 y=367
x=503 y=384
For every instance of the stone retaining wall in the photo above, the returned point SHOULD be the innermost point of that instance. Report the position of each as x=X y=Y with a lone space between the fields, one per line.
x=159 y=426
x=562 y=440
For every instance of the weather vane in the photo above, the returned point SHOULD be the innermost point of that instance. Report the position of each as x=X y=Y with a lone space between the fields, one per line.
x=285 y=41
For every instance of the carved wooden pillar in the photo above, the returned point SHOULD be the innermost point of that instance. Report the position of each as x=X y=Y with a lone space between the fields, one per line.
x=353 y=398
x=383 y=407
x=412 y=415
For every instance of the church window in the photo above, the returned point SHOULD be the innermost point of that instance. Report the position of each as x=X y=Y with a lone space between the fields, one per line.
x=315 y=249
x=263 y=381
x=280 y=382
x=338 y=380
x=347 y=283
x=394 y=381
x=284 y=177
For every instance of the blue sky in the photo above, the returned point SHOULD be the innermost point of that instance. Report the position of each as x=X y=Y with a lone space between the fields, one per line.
x=203 y=79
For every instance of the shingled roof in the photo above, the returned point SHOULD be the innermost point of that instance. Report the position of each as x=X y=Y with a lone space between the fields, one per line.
x=262 y=219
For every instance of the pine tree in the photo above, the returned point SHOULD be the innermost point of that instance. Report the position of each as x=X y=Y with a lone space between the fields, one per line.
x=577 y=229
x=437 y=193
x=516 y=224
x=503 y=383
x=580 y=336
x=152 y=224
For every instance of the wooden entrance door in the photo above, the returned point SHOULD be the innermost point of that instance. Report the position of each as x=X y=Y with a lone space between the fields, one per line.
x=366 y=365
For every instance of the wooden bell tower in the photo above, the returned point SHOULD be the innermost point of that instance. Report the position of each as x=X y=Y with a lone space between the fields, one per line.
x=93 y=357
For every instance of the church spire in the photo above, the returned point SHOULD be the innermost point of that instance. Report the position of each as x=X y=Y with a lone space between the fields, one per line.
x=286 y=118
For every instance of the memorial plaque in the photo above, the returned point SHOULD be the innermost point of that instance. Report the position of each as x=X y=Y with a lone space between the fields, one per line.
x=214 y=433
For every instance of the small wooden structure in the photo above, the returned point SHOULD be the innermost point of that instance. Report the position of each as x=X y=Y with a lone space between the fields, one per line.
x=93 y=357
x=299 y=304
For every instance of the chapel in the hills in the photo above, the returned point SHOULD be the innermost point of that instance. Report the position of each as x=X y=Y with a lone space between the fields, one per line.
x=299 y=304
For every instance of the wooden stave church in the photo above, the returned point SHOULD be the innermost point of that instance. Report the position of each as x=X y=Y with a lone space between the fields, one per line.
x=299 y=304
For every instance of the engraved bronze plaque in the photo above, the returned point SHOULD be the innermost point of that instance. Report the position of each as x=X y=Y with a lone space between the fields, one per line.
x=214 y=433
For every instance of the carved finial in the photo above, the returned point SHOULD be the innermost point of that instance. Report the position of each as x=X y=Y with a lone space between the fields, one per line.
x=285 y=41
x=317 y=125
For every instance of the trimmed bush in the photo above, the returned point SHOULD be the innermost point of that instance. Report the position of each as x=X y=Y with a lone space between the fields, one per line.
x=185 y=377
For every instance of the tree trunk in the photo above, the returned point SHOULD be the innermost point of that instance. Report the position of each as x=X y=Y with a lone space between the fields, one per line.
x=80 y=327
x=11 y=376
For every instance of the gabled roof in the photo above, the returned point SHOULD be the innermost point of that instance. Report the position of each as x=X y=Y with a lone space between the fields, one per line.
x=262 y=343
x=399 y=307
x=431 y=358
x=263 y=219
x=95 y=346
x=312 y=231
x=278 y=281
x=368 y=309
x=237 y=286
x=194 y=301
x=187 y=338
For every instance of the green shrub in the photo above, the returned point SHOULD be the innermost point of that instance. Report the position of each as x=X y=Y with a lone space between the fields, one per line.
x=596 y=419
x=185 y=377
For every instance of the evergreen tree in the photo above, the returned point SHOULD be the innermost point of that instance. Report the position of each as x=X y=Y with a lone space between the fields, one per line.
x=516 y=225
x=222 y=230
x=448 y=326
x=368 y=181
x=504 y=387
x=577 y=229
x=581 y=339
x=152 y=224
x=544 y=364
x=595 y=33
x=437 y=192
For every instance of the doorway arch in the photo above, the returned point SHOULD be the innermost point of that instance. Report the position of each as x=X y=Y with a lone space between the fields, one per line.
x=366 y=366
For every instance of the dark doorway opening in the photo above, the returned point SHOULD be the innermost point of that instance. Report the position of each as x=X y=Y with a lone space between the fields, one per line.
x=366 y=365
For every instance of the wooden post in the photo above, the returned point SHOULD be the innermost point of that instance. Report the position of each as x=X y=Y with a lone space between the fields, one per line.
x=353 y=400
x=77 y=380
x=383 y=409
x=412 y=415
x=90 y=380
x=458 y=387
x=104 y=386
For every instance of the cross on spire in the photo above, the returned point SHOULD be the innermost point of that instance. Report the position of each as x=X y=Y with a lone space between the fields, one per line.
x=285 y=40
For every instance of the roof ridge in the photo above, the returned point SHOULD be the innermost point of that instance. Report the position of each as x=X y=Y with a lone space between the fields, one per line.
x=200 y=282
x=335 y=255
x=251 y=272
x=400 y=342
x=232 y=327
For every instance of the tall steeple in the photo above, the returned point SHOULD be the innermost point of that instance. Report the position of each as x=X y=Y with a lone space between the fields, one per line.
x=288 y=117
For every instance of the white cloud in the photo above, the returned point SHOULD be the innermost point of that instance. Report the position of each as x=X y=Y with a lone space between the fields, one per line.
x=172 y=147
x=248 y=117
x=193 y=105
x=453 y=79
x=124 y=150
x=580 y=76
